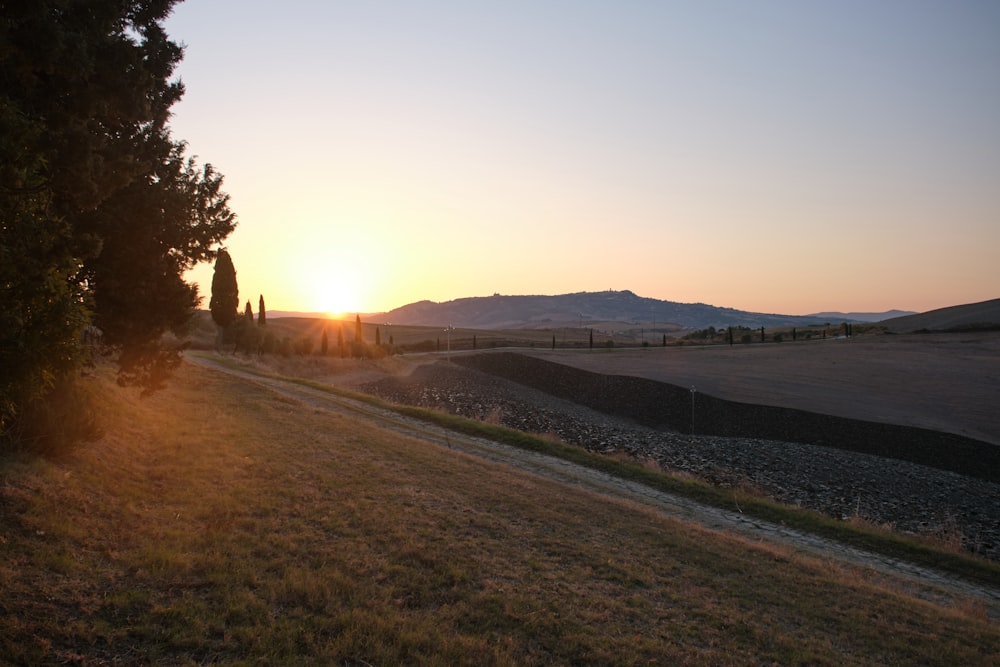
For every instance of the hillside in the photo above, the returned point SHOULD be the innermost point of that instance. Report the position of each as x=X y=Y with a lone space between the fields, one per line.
x=984 y=314
x=836 y=316
x=584 y=309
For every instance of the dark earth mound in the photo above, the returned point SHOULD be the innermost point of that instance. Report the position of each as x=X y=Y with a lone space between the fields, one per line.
x=660 y=404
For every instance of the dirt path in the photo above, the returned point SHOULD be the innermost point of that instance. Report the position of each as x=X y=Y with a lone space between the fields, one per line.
x=925 y=583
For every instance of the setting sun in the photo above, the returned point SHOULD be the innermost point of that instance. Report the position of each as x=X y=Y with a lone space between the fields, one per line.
x=335 y=293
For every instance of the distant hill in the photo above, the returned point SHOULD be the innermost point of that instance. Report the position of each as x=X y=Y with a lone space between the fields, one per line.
x=984 y=314
x=860 y=317
x=585 y=309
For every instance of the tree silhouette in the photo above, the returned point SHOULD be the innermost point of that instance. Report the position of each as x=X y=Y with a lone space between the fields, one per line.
x=101 y=213
x=225 y=292
x=324 y=343
x=357 y=329
x=261 y=313
x=248 y=337
x=378 y=337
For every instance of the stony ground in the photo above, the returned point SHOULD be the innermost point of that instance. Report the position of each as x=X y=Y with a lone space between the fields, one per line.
x=910 y=497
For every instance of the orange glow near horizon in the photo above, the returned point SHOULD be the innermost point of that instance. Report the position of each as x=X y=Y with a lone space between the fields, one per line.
x=333 y=290
x=419 y=172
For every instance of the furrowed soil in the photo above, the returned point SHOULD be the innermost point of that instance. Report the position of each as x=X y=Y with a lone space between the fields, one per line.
x=943 y=382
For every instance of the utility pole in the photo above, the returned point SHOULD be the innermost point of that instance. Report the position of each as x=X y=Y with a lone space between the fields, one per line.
x=693 y=392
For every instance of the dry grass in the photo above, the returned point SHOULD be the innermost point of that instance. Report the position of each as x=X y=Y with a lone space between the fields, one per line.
x=218 y=523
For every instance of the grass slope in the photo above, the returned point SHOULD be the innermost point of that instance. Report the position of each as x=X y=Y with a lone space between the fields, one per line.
x=219 y=523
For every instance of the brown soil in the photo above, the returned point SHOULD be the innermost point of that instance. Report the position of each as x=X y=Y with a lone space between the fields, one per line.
x=944 y=382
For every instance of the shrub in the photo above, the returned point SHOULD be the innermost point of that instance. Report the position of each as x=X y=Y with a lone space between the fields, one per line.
x=249 y=337
x=304 y=346
x=60 y=418
x=270 y=343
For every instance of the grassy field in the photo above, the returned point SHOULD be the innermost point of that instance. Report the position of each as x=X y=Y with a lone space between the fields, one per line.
x=217 y=522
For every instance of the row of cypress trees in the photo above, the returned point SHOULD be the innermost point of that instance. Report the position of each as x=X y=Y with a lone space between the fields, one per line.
x=237 y=330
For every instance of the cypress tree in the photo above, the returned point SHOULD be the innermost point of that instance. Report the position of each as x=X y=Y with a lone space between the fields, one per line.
x=357 y=329
x=248 y=313
x=225 y=292
x=378 y=337
x=261 y=313
x=324 y=343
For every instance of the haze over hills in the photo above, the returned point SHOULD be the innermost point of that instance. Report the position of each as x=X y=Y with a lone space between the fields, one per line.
x=600 y=309
x=834 y=316
x=583 y=309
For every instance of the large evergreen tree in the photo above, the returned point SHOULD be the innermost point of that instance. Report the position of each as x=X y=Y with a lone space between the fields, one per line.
x=261 y=313
x=225 y=291
x=100 y=211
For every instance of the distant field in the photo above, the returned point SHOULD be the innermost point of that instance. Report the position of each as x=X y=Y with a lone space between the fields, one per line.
x=946 y=382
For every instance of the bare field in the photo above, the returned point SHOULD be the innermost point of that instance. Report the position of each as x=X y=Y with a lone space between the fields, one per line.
x=945 y=382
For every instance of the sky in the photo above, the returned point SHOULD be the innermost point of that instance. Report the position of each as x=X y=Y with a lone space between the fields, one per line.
x=772 y=156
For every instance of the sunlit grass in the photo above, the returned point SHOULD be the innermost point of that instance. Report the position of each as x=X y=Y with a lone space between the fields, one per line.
x=218 y=523
x=930 y=551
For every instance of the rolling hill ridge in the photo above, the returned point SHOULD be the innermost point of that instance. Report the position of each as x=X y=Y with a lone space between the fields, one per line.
x=583 y=309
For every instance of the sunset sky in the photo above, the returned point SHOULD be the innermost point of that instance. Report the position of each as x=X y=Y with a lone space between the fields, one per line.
x=773 y=156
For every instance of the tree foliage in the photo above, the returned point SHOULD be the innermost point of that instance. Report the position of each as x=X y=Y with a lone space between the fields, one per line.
x=225 y=290
x=101 y=212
